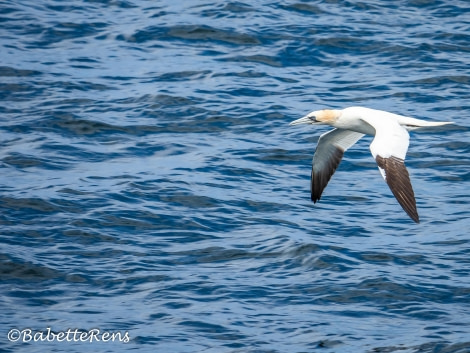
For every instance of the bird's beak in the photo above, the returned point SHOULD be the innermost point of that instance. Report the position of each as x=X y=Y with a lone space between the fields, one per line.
x=308 y=119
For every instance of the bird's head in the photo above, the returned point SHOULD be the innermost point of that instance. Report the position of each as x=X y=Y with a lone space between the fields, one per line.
x=319 y=117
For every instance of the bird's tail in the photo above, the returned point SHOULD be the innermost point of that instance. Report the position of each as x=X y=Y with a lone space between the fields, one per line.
x=413 y=124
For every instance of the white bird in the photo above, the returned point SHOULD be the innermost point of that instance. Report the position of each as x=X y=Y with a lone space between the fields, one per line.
x=388 y=147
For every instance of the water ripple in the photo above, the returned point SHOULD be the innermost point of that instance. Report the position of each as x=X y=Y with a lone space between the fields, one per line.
x=151 y=182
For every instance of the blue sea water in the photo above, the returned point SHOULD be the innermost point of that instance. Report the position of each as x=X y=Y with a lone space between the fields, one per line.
x=150 y=184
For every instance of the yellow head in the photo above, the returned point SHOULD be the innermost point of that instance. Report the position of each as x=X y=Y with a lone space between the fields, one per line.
x=325 y=117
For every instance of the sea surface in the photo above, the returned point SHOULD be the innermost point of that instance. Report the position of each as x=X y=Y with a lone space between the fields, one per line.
x=153 y=197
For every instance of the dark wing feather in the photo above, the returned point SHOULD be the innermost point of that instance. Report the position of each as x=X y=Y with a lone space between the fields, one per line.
x=321 y=176
x=398 y=179
x=330 y=150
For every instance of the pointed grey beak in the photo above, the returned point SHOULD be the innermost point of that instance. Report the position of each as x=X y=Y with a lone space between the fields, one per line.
x=305 y=120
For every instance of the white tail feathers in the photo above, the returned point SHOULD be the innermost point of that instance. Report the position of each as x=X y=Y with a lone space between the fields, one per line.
x=413 y=124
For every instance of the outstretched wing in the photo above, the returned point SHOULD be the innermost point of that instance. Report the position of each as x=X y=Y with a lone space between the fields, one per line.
x=395 y=174
x=389 y=149
x=330 y=150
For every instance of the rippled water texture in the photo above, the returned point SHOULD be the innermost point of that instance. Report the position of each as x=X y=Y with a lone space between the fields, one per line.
x=150 y=182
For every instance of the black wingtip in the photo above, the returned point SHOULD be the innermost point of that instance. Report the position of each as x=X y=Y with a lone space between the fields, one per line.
x=398 y=180
x=315 y=193
x=414 y=217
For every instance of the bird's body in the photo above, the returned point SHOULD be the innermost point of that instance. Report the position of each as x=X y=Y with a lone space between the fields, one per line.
x=389 y=147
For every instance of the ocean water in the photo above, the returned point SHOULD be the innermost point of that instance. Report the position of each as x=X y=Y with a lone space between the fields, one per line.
x=152 y=191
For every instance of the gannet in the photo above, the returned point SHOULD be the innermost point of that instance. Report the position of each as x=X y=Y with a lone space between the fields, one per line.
x=389 y=147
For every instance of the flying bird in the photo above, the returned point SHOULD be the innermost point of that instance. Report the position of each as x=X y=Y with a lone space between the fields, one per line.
x=389 y=147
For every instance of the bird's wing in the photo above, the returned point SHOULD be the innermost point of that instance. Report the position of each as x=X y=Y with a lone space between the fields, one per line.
x=328 y=155
x=389 y=149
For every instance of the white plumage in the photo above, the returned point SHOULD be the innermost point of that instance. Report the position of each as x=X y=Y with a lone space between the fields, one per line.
x=389 y=147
